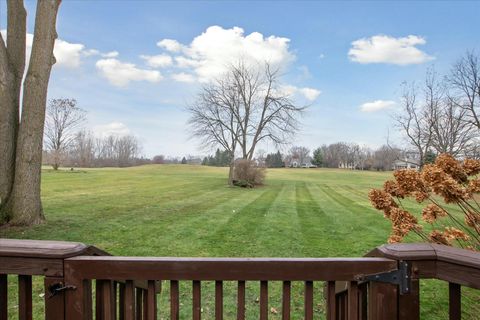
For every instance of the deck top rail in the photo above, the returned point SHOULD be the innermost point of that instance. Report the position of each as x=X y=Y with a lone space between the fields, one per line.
x=84 y=282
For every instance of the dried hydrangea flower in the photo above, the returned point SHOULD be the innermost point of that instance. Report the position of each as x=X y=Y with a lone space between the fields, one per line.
x=452 y=167
x=394 y=238
x=393 y=189
x=443 y=184
x=381 y=200
x=409 y=181
x=432 y=212
x=452 y=233
x=472 y=219
x=474 y=186
x=438 y=237
x=471 y=166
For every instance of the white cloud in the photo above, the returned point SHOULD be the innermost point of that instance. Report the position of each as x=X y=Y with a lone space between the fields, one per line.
x=158 y=61
x=111 y=129
x=121 y=73
x=90 y=52
x=308 y=93
x=210 y=53
x=170 y=45
x=183 y=77
x=386 y=49
x=67 y=54
x=111 y=54
x=376 y=105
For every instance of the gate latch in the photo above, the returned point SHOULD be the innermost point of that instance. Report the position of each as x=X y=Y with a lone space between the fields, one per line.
x=401 y=277
x=58 y=287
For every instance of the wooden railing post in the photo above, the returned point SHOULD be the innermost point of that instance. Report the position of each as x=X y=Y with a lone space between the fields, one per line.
x=3 y=297
x=54 y=304
x=455 y=306
x=409 y=304
x=383 y=301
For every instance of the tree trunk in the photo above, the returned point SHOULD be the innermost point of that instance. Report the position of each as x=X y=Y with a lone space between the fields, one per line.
x=24 y=204
x=12 y=67
x=231 y=169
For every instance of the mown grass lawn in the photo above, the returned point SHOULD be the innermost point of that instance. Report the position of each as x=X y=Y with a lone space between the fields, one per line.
x=180 y=210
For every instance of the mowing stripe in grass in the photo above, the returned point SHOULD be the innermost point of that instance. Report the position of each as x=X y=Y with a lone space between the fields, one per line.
x=242 y=224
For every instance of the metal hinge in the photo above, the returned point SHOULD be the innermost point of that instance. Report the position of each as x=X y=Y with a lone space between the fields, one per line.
x=401 y=277
x=58 y=287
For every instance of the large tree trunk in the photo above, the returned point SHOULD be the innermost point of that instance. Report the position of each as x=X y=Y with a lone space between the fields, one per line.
x=12 y=67
x=24 y=204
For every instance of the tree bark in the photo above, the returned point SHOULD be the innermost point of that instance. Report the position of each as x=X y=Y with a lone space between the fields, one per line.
x=24 y=204
x=12 y=67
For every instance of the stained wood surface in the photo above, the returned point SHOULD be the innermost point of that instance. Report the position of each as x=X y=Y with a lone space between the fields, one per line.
x=45 y=249
x=323 y=269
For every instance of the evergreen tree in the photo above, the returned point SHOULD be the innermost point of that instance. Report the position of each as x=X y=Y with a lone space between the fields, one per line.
x=317 y=157
x=184 y=160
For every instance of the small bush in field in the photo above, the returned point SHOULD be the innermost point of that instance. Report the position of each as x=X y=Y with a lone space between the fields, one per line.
x=247 y=174
x=439 y=186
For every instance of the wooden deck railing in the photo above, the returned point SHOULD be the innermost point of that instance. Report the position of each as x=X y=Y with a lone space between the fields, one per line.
x=382 y=285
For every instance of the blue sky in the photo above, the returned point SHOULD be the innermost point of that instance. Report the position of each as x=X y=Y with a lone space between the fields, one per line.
x=111 y=58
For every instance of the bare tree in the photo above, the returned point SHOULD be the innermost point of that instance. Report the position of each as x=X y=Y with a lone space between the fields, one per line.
x=300 y=153
x=452 y=133
x=213 y=119
x=242 y=108
x=415 y=120
x=464 y=79
x=82 y=152
x=21 y=141
x=63 y=117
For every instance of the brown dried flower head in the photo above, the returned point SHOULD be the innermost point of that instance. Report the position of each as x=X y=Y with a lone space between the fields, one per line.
x=409 y=181
x=452 y=233
x=381 y=200
x=474 y=186
x=392 y=187
x=438 y=237
x=471 y=166
x=472 y=219
x=432 y=212
x=452 y=167
x=403 y=222
x=443 y=184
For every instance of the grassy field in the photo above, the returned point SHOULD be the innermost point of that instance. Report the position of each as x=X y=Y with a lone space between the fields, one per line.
x=168 y=210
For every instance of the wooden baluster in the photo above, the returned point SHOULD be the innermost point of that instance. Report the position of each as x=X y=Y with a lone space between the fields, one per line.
x=3 y=297
x=197 y=301
x=286 y=296
x=352 y=300
x=308 y=300
x=263 y=300
x=121 y=301
x=331 y=301
x=24 y=297
x=151 y=312
x=145 y=304
x=139 y=304
x=54 y=305
x=129 y=310
x=218 y=300
x=455 y=305
x=362 y=301
x=174 y=303
x=343 y=306
x=109 y=305
x=99 y=304
x=241 y=300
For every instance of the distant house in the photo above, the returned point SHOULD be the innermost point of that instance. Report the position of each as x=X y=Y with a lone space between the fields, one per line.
x=297 y=163
x=409 y=160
